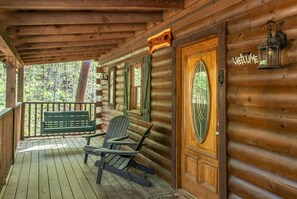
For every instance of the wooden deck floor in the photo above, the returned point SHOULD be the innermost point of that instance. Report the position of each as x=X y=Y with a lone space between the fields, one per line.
x=54 y=168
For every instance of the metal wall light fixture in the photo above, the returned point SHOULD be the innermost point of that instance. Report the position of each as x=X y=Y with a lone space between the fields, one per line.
x=269 y=50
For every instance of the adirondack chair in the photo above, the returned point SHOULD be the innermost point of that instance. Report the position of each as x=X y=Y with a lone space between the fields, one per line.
x=120 y=161
x=117 y=129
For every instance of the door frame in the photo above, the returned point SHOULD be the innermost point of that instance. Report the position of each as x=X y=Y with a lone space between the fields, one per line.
x=220 y=31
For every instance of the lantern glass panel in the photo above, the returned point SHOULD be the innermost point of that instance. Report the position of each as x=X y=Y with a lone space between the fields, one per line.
x=269 y=55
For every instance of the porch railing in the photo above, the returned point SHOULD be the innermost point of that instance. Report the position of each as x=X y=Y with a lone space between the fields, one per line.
x=10 y=123
x=33 y=114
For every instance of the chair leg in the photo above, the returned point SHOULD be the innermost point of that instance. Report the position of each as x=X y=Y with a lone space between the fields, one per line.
x=100 y=169
x=142 y=168
x=86 y=155
x=86 y=158
x=88 y=141
x=139 y=180
x=99 y=175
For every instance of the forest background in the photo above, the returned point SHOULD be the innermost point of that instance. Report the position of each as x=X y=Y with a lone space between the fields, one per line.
x=55 y=82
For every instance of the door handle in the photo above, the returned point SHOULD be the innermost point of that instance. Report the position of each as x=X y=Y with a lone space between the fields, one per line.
x=217 y=133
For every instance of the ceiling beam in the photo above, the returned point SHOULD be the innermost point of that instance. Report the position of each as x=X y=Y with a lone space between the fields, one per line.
x=73 y=29
x=7 y=46
x=75 y=17
x=46 y=45
x=67 y=49
x=58 y=60
x=76 y=37
x=91 y=4
x=64 y=54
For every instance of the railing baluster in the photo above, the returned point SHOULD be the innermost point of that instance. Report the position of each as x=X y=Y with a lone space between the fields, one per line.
x=29 y=121
x=23 y=121
x=94 y=112
x=41 y=114
x=89 y=105
x=35 y=125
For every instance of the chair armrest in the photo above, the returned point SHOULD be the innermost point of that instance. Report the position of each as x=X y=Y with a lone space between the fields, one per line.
x=117 y=139
x=118 y=152
x=88 y=137
x=126 y=143
x=93 y=135
x=89 y=148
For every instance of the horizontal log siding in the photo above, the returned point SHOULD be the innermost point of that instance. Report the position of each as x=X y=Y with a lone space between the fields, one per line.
x=262 y=111
x=156 y=153
x=262 y=108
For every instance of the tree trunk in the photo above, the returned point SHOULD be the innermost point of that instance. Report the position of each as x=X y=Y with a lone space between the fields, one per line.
x=57 y=84
x=82 y=82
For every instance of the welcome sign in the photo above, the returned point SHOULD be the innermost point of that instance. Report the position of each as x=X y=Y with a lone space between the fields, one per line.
x=245 y=58
x=159 y=40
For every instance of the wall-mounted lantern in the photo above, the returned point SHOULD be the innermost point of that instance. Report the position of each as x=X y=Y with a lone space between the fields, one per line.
x=269 y=50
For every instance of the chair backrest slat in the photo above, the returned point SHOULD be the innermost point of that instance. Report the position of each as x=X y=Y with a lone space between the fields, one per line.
x=145 y=135
x=139 y=145
x=117 y=128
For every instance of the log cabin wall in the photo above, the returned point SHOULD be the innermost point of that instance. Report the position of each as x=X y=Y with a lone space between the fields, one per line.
x=261 y=114
x=156 y=153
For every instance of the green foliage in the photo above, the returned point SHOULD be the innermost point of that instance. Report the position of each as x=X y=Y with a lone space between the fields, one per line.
x=57 y=82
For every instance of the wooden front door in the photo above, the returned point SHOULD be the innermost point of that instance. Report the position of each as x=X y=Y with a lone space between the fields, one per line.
x=199 y=158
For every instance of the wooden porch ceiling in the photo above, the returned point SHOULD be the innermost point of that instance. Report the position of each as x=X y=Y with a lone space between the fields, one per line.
x=68 y=30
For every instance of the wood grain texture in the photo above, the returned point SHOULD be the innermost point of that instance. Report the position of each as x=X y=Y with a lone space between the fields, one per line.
x=6 y=144
x=10 y=82
x=72 y=29
x=90 y=4
x=261 y=110
x=60 y=18
x=57 y=170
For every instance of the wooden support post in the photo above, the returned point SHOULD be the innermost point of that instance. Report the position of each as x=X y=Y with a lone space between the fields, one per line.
x=23 y=121
x=10 y=82
x=20 y=94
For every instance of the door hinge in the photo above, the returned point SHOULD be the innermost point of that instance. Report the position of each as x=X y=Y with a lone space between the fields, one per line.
x=221 y=77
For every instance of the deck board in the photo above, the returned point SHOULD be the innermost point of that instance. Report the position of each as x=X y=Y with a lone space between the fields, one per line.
x=66 y=190
x=11 y=187
x=33 y=182
x=74 y=184
x=106 y=185
x=43 y=189
x=54 y=184
x=109 y=182
x=53 y=168
x=24 y=175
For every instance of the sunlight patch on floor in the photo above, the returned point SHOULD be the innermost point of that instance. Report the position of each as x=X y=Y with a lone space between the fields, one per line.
x=43 y=147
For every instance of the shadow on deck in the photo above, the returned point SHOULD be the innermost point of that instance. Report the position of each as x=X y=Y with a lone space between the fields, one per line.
x=54 y=168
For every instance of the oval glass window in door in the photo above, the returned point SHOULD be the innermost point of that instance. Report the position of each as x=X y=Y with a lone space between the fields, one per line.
x=200 y=101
